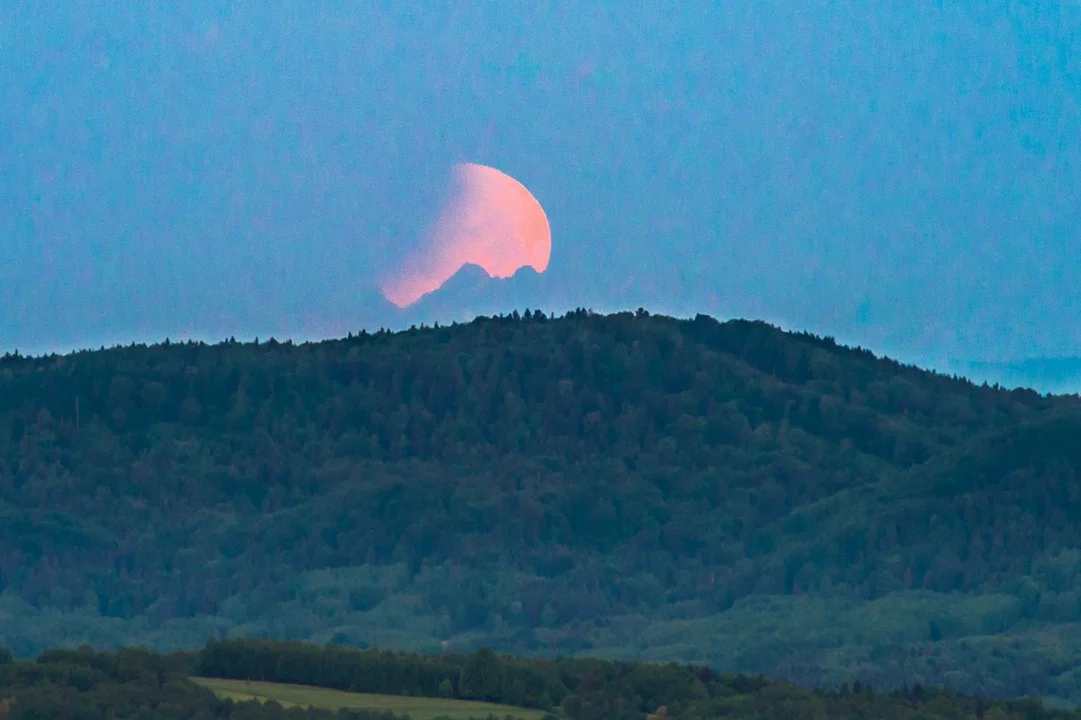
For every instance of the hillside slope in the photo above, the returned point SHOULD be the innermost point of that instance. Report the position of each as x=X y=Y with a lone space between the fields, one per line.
x=629 y=485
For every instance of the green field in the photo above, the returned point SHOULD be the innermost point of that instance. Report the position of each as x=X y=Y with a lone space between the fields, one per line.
x=414 y=707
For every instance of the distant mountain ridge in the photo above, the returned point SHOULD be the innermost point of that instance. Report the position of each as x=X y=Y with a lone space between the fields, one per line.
x=625 y=485
x=471 y=292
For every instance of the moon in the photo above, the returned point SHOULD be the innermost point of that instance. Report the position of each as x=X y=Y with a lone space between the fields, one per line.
x=490 y=220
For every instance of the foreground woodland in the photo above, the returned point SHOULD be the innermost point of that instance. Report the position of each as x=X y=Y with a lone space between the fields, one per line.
x=83 y=685
x=625 y=486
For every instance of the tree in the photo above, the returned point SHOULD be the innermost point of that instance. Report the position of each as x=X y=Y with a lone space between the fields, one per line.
x=481 y=676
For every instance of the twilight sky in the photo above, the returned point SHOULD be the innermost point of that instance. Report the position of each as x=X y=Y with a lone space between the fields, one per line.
x=902 y=175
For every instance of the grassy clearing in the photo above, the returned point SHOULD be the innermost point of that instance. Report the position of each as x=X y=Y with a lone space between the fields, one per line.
x=414 y=707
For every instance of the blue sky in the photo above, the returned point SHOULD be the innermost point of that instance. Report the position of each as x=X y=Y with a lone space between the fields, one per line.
x=901 y=175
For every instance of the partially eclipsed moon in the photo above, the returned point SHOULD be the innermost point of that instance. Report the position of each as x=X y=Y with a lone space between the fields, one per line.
x=491 y=220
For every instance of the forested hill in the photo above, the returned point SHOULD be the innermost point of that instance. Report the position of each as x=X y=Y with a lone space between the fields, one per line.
x=625 y=485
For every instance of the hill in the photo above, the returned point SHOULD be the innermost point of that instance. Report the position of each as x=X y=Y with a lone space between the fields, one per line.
x=626 y=485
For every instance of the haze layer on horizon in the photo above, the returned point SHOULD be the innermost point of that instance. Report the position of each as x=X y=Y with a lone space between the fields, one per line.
x=902 y=176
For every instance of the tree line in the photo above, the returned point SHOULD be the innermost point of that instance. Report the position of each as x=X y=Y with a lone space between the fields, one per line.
x=588 y=689
x=128 y=684
x=82 y=684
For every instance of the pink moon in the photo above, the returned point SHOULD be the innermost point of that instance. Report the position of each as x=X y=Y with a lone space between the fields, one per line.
x=490 y=220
